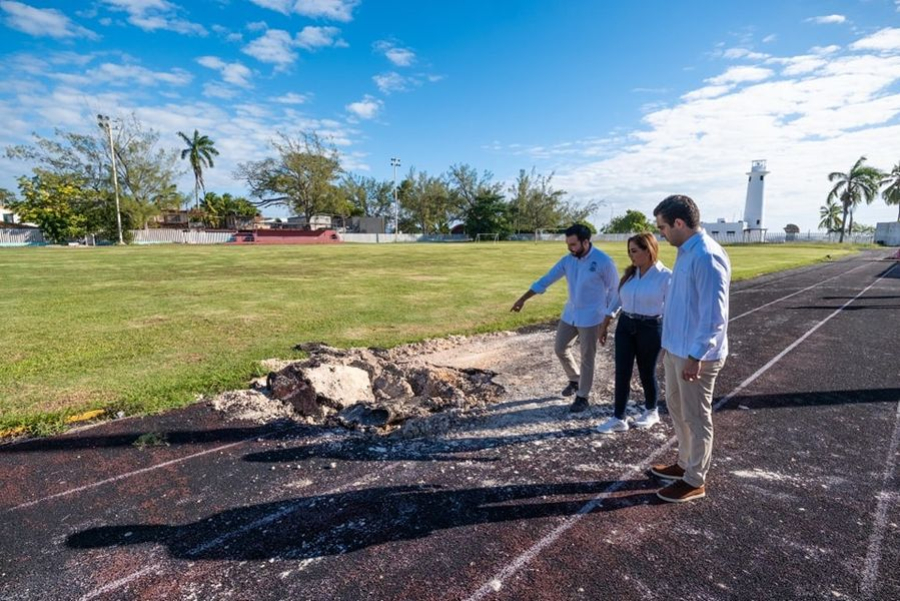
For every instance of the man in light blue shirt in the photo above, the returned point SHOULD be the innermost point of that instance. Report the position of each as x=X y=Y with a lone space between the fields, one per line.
x=695 y=342
x=593 y=281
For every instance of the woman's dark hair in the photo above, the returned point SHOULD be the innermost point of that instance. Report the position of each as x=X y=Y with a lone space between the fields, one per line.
x=681 y=207
x=645 y=241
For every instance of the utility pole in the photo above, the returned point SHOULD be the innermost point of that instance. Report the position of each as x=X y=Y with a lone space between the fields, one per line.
x=103 y=122
x=395 y=162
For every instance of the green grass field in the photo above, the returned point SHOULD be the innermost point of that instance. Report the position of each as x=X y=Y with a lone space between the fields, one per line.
x=143 y=329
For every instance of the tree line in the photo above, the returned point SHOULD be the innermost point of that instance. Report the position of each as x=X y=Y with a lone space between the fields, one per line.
x=70 y=193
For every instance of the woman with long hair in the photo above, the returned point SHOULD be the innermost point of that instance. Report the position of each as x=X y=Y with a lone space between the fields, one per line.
x=642 y=295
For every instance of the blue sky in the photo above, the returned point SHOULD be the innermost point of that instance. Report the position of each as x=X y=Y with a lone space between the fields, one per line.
x=624 y=102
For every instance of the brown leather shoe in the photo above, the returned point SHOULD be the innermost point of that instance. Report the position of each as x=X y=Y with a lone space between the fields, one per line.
x=681 y=492
x=669 y=472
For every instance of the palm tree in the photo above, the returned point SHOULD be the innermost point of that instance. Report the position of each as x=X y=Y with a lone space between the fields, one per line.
x=201 y=150
x=891 y=193
x=859 y=184
x=831 y=216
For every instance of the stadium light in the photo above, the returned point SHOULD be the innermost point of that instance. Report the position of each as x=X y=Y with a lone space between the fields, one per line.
x=103 y=122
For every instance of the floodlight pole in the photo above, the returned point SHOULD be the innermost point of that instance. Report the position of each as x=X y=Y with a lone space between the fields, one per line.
x=395 y=162
x=103 y=122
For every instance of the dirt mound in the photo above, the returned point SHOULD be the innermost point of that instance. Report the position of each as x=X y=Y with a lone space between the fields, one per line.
x=369 y=389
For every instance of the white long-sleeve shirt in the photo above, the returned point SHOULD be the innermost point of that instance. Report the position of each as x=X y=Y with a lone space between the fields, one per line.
x=695 y=320
x=646 y=294
x=592 y=281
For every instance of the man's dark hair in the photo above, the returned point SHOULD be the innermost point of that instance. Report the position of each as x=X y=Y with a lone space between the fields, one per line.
x=580 y=230
x=681 y=207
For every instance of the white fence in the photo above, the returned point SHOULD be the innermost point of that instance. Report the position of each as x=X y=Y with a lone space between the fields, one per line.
x=390 y=238
x=21 y=237
x=167 y=236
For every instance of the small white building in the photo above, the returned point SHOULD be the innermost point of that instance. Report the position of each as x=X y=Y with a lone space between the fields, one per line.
x=7 y=217
x=888 y=233
x=723 y=230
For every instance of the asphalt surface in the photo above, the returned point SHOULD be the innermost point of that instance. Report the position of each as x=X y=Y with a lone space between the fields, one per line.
x=803 y=497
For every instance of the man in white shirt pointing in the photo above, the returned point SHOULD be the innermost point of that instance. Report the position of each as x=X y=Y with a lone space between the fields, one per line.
x=593 y=281
x=695 y=342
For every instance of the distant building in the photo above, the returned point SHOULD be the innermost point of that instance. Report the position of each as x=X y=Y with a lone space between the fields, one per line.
x=353 y=225
x=888 y=233
x=725 y=229
x=180 y=219
x=366 y=225
x=7 y=217
x=316 y=222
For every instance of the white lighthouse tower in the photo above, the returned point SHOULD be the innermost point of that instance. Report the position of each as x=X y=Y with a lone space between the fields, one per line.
x=754 y=208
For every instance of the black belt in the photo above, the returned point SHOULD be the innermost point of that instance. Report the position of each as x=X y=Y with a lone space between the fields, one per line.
x=637 y=317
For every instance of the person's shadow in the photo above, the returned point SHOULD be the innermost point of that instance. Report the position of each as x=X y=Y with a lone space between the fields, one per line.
x=335 y=524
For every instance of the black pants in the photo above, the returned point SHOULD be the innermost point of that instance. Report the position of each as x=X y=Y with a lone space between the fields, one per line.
x=641 y=340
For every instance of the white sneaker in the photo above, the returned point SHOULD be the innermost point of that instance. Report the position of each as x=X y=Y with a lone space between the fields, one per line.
x=612 y=425
x=648 y=418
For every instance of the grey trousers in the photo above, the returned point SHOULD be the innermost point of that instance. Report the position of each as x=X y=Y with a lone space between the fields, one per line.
x=587 y=341
x=690 y=405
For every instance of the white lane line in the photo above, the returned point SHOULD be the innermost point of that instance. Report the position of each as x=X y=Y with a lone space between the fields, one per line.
x=491 y=586
x=751 y=311
x=263 y=521
x=885 y=498
x=118 y=583
x=143 y=470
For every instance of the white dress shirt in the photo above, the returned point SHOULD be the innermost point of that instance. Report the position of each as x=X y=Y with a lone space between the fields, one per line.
x=646 y=294
x=695 y=319
x=592 y=281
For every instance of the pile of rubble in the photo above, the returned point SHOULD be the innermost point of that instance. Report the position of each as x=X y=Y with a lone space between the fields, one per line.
x=368 y=389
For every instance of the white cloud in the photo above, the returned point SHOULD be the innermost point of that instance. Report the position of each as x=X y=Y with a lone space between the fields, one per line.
x=257 y=26
x=282 y=6
x=292 y=98
x=402 y=57
x=151 y=15
x=822 y=50
x=275 y=46
x=312 y=37
x=227 y=34
x=769 y=38
x=124 y=75
x=335 y=10
x=217 y=90
x=233 y=73
x=799 y=65
x=827 y=19
x=42 y=22
x=740 y=74
x=706 y=92
x=391 y=82
x=367 y=108
x=884 y=40
x=738 y=53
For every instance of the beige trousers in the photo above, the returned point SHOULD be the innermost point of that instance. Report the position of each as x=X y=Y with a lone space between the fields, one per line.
x=690 y=405
x=587 y=341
